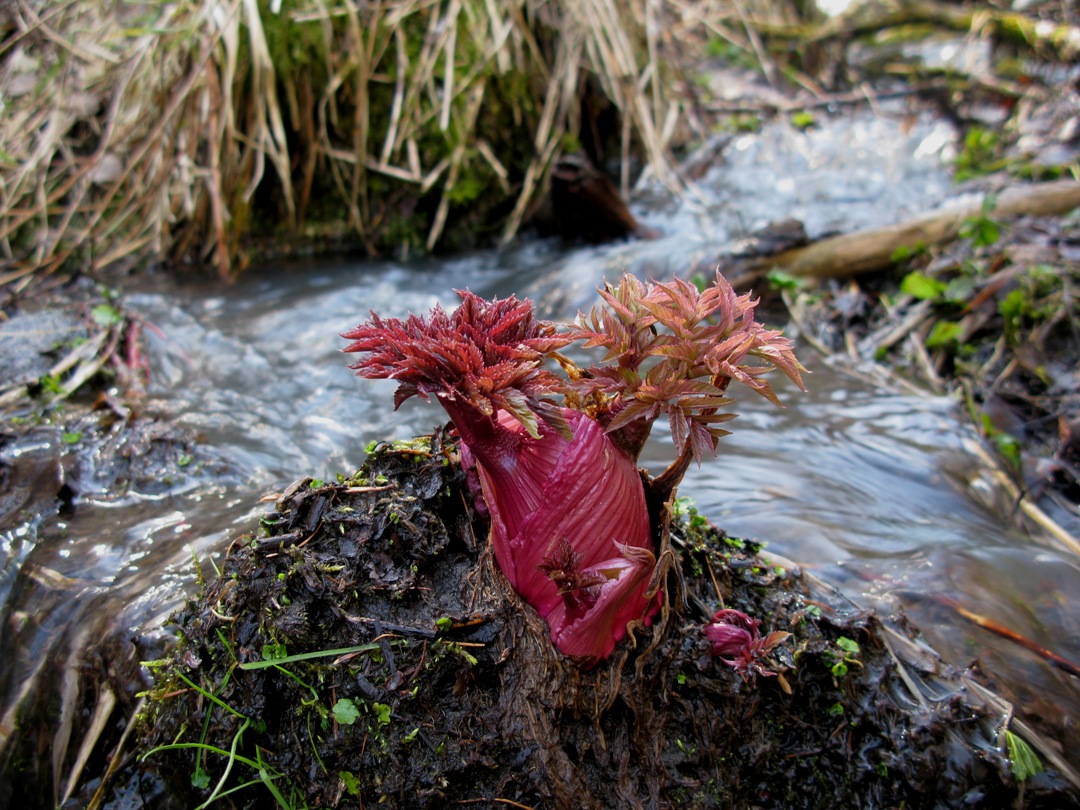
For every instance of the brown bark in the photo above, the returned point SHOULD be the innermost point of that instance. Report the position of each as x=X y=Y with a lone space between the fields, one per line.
x=865 y=251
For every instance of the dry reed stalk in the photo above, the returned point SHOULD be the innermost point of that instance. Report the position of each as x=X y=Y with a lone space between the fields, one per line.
x=160 y=131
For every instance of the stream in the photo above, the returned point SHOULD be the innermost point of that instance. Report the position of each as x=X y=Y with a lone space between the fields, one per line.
x=874 y=491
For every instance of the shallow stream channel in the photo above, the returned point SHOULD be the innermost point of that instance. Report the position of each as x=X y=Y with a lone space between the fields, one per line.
x=873 y=489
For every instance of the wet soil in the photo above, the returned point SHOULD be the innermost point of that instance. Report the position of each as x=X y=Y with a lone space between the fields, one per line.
x=428 y=683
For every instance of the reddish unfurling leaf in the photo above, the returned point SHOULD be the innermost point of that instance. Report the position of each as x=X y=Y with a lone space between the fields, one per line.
x=735 y=639
x=551 y=478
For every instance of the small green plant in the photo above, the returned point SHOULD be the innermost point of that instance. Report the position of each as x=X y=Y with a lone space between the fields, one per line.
x=684 y=507
x=1037 y=297
x=345 y=712
x=803 y=119
x=907 y=252
x=845 y=658
x=979 y=154
x=1007 y=444
x=352 y=784
x=53 y=386
x=382 y=713
x=945 y=335
x=106 y=315
x=918 y=285
x=1023 y=761
x=782 y=280
x=200 y=777
x=689 y=750
x=980 y=229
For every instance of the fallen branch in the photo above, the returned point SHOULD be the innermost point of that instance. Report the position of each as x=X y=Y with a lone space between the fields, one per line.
x=1060 y=39
x=1051 y=657
x=870 y=250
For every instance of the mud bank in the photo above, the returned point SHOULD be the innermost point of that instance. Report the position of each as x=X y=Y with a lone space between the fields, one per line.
x=362 y=647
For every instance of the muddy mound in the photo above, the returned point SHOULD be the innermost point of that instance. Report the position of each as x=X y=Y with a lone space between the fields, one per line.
x=363 y=648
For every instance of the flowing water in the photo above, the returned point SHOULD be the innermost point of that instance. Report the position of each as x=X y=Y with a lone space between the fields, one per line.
x=874 y=490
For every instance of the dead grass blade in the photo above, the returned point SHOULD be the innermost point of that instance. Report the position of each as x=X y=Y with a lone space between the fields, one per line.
x=176 y=131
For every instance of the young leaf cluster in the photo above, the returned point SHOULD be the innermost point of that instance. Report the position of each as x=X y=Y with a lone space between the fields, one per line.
x=673 y=350
x=487 y=354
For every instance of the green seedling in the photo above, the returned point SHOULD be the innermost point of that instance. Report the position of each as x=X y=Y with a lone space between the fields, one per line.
x=345 y=712
x=848 y=650
x=1023 y=761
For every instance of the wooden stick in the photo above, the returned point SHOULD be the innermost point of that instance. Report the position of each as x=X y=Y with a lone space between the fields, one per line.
x=1049 y=656
x=869 y=250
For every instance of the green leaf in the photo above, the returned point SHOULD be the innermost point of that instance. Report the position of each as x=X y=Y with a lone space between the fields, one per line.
x=106 y=315
x=1006 y=443
x=1013 y=307
x=51 y=384
x=1024 y=761
x=274 y=652
x=847 y=645
x=922 y=287
x=382 y=713
x=352 y=784
x=345 y=712
x=905 y=252
x=982 y=231
x=782 y=280
x=71 y=437
x=944 y=333
x=840 y=669
x=804 y=119
x=200 y=779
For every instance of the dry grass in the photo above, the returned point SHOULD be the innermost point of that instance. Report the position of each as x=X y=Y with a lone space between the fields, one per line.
x=142 y=131
x=153 y=131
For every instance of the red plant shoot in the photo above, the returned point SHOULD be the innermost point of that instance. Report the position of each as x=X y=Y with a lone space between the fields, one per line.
x=738 y=643
x=556 y=455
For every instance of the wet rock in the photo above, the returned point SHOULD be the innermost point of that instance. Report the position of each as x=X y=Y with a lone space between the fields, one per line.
x=587 y=205
x=31 y=475
x=30 y=343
